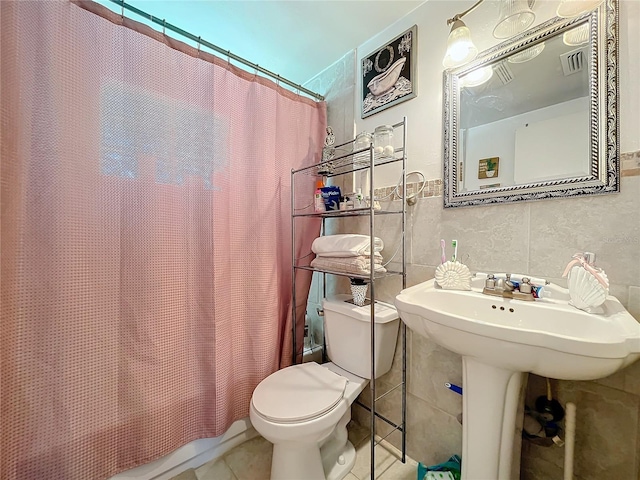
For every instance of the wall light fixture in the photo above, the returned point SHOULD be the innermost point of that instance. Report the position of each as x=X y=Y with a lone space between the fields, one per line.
x=460 y=47
x=574 y=8
x=515 y=17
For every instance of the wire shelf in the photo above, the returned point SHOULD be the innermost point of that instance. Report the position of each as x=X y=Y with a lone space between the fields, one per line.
x=352 y=212
x=377 y=276
x=350 y=162
x=340 y=160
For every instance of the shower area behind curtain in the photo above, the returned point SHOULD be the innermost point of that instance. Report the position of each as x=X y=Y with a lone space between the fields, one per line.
x=146 y=239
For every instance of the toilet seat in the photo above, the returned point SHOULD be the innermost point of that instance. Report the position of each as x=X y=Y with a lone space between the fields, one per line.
x=298 y=393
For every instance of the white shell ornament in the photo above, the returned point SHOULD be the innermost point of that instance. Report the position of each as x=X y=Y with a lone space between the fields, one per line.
x=586 y=292
x=453 y=276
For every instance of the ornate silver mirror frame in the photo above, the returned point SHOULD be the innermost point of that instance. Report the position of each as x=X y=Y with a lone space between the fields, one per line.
x=604 y=175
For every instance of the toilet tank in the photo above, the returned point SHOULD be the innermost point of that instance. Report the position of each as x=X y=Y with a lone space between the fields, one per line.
x=347 y=330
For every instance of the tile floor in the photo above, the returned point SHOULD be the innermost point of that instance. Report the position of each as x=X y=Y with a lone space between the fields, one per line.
x=252 y=461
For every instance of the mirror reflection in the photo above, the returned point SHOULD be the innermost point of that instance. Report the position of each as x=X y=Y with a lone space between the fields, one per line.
x=520 y=114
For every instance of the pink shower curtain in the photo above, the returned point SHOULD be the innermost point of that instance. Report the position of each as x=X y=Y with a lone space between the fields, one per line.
x=146 y=239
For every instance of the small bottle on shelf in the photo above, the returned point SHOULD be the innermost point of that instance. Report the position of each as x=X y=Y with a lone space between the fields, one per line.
x=318 y=202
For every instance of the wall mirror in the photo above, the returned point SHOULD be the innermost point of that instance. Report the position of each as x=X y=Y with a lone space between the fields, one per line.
x=536 y=116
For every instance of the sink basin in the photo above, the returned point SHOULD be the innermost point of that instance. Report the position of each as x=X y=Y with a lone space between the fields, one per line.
x=500 y=341
x=547 y=337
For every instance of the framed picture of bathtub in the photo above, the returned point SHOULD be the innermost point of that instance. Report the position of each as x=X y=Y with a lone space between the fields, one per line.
x=388 y=74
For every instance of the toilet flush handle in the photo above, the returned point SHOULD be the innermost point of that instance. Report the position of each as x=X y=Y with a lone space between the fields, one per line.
x=320 y=312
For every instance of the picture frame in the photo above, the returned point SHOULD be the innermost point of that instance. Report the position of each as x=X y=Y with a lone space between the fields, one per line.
x=389 y=73
x=488 y=167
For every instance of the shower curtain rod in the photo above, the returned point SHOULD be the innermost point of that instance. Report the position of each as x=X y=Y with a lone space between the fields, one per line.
x=215 y=48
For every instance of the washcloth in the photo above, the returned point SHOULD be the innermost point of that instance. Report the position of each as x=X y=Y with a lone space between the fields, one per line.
x=345 y=245
x=439 y=476
x=357 y=265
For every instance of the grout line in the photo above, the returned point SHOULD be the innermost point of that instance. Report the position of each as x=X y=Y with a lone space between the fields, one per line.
x=392 y=449
x=528 y=267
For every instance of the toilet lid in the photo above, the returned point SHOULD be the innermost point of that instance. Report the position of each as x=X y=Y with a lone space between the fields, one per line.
x=298 y=393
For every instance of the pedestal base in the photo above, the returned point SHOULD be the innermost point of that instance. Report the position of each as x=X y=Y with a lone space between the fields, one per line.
x=490 y=405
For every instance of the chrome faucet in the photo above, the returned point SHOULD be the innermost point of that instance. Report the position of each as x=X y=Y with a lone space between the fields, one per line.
x=502 y=283
x=504 y=287
x=505 y=284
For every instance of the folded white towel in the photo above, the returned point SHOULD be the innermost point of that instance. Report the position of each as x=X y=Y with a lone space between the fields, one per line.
x=355 y=265
x=345 y=245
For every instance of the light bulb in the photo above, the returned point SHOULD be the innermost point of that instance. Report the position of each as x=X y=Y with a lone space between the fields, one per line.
x=460 y=48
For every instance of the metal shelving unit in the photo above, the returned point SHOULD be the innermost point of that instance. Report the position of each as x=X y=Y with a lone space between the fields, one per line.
x=349 y=163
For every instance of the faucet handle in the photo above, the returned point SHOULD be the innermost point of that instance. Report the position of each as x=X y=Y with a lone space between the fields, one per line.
x=490 y=282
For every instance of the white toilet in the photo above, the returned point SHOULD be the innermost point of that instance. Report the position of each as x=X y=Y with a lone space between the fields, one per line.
x=304 y=409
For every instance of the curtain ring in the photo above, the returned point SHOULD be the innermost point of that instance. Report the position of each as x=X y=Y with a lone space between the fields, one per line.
x=122 y=10
x=228 y=57
x=164 y=26
x=277 y=80
x=199 y=39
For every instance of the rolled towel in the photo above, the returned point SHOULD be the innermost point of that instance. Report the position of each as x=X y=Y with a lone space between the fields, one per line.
x=345 y=245
x=357 y=265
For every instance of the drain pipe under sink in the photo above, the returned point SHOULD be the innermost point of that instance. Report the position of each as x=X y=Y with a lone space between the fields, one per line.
x=570 y=439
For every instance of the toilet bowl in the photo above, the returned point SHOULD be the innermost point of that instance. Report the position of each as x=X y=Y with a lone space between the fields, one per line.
x=308 y=431
x=304 y=409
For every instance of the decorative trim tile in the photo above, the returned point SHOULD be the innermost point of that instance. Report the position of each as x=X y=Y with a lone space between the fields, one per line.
x=430 y=188
x=630 y=164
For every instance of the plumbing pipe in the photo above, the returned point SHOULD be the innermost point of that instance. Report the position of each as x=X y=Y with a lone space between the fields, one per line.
x=454 y=388
x=570 y=439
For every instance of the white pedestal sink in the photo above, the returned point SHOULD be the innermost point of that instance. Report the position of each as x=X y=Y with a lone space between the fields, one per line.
x=501 y=340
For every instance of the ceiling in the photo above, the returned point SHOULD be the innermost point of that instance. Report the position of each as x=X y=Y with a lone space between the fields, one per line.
x=296 y=39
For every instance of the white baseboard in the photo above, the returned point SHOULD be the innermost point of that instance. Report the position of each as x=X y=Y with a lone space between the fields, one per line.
x=192 y=455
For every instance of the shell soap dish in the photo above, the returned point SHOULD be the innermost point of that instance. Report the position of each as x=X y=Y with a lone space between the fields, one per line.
x=453 y=276
x=586 y=292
